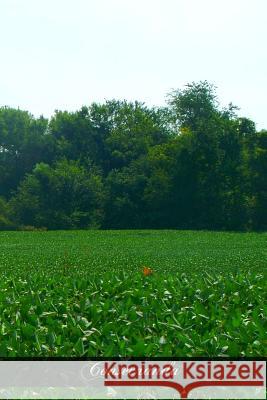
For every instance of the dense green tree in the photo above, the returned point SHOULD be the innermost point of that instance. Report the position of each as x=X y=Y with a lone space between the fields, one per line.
x=210 y=161
x=258 y=164
x=194 y=105
x=60 y=197
x=5 y=221
x=23 y=143
x=191 y=165
x=128 y=130
x=126 y=208
x=76 y=137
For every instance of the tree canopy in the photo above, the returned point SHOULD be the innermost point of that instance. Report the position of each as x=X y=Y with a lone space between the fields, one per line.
x=190 y=165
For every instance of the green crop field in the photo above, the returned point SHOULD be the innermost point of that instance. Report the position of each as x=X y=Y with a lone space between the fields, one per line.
x=83 y=293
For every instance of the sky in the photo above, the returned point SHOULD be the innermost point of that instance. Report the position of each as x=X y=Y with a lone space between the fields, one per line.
x=62 y=54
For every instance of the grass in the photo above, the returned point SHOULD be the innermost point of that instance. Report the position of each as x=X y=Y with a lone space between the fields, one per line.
x=82 y=293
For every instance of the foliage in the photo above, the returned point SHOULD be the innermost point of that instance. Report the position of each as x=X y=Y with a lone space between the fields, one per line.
x=191 y=164
x=258 y=162
x=5 y=222
x=205 y=297
x=65 y=196
x=23 y=142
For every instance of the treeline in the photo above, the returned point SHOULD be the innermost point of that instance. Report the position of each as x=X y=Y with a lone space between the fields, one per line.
x=189 y=165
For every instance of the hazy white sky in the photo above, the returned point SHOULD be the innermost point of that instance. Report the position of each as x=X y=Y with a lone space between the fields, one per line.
x=62 y=54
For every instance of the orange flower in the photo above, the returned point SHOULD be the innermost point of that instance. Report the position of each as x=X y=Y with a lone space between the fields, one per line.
x=147 y=271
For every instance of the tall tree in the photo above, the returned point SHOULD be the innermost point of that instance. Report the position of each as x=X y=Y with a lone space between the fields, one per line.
x=258 y=170
x=122 y=164
x=23 y=143
x=60 y=197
